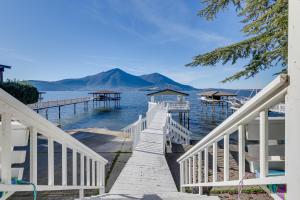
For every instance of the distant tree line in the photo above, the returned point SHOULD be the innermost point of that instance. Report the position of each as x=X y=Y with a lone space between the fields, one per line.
x=21 y=90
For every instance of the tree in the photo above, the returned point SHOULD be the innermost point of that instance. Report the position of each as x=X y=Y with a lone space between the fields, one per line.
x=266 y=28
x=21 y=90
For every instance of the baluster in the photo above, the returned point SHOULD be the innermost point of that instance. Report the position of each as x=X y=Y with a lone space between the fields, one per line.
x=215 y=163
x=186 y=172
x=226 y=157
x=88 y=176
x=33 y=155
x=6 y=150
x=181 y=164
x=74 y=164
x=194 y=169
x=200 y=170
x=241 y=151
x=98 y=173
x=263 y=144
x=190 y=170
x=81 y=169
x=50 y=161
x=64 y=164
x=206 y=164
x=93 y=173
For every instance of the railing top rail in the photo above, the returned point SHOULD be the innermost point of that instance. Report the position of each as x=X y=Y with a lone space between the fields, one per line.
x=28 y=117
x=277 y=85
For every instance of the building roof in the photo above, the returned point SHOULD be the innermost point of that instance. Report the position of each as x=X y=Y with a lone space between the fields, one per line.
x=167 y=92
x=216 y=93
x=105 y=92
x=2 y=67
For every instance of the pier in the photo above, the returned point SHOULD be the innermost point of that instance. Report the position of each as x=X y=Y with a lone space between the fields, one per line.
x=107 y=97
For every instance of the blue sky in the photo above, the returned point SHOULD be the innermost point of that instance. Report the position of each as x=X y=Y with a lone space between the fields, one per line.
x=57 y=39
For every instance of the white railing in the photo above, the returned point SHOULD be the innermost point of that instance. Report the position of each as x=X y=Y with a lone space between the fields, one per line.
x=194 y=163
x=56 y=103
x=134 y=130
x=13 y=114
x=176 y=105
x=280 y=108
x=176 y=132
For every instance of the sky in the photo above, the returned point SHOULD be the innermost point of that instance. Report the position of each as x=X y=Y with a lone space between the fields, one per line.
x=58 y=39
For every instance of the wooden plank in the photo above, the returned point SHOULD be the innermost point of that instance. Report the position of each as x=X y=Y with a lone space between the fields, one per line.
x=263 y=143
x=241 y=151
x=33 y=155
x=74 y=166
x=50 y=161
x=226 y=157
x=64 y=164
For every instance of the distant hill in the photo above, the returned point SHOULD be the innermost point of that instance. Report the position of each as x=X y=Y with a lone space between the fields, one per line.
x=114 y=78
x=162 y=81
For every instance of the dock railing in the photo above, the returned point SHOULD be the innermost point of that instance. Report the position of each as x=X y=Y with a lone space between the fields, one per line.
x=134 y=130
x=176 y=132
x=92 y=165
x=194 y=167
x=57 y=103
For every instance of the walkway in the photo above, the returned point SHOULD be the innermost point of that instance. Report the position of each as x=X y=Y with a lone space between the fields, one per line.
x=146 y=174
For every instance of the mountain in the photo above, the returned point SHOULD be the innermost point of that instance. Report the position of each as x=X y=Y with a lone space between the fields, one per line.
x=114 y=78
x=162 y=81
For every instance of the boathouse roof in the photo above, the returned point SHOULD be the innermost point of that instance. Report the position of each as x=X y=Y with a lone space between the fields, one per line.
x=167 y=92
x=2 y=67
x=216 y=93
x=105 y=92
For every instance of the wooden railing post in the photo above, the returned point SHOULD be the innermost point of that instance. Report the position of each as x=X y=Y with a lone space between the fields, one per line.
x=33 y=155
x=263 y=143
x=64 y=164
x=50 y=161
x=241 y=151
x=6 y=150
x=181 y=164
x=226 y=157
x=194 y=168
x=206 y=164
x=93 y=173
x=88 y=169
x=186 y=172
x=200 y=171
x=292 y=136
x=74 y=165
x=215 y=163
x=81 y=169
x=190 y=170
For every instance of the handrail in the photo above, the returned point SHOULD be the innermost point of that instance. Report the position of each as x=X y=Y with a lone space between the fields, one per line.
x=176 y=128
x=191 y=162
x=13 y=110
x=278 y=84
x=134 y=130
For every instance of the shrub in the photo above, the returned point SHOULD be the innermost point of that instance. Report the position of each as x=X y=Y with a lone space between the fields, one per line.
x=21 y=90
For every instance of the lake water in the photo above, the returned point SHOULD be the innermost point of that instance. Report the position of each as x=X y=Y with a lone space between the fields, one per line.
x=133 y=103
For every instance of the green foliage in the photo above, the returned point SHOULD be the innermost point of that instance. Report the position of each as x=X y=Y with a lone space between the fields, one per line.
x=21 y=90
x=266 y=28
x=255 y=190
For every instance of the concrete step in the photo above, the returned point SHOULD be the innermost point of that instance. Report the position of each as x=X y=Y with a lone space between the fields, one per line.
x=159 y=196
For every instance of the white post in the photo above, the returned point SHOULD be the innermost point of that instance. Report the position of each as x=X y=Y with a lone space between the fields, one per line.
x=33 y=155
x=64 y=164
x=181 y=176
x=74 y=164
x=6 y=148
x=215 y=163
x=200 y=171
x=88 y=175
x=50 y=161
x=186 y=172
x=194 y=169
x=292 y=136
x=241 y=152
x=226 y=157
x=190 y=170
x=81 y=169
x=263 y=143
x=206 y=164
x=93 y=173
x=98 y=174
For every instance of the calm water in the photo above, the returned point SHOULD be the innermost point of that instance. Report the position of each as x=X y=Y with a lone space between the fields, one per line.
x=133 y=103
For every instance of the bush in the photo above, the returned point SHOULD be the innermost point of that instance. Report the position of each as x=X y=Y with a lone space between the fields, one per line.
x=21 y=90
